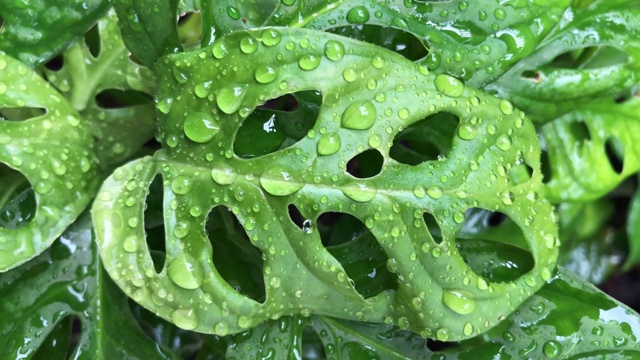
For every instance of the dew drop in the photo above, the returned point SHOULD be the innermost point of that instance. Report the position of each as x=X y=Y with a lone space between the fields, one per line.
x=186 y=272
x=460 y=301
x=334 y=50
x=360 y=191
x=130 y=244
x=467 y=132
x=449 y=85
x=219 y=50
x=185 y=318
x=200 y=127
x=248 y=44
x=467 y=329
x=442 y=334
x=279 y=182
x=350 y=74
x=358 y=15
x=266 y=74
x=375 y=140
x=552 y=349
x=181 y=185
x=435 y=192
x=309 y=62
x=224 y=175
x=506 y=107
x=504 y=142
x=271 y=37
x=329 y=144
x=359 y=116
x=202 y=89
x=230 y=98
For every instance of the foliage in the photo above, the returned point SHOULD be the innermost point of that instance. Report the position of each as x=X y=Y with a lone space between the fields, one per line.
x=328 y=179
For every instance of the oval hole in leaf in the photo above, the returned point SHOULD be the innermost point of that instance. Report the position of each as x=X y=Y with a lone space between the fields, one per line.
x=437 y=345
x=402 y=42
x=593 y=57
x=358 y=251
x=366 y=164
x=433 y=227
x=190 y=29
x=116 y=99
x=545 y=166
x=154 y=223
x=520 y=174
x=425 y=140
x=580 y=131
x=21 y=113
x=277 y=124
x=55 y=64
x=17 y=199
x=615 y=153
x=237 y=260
x=312 y=347
x=92 y=40
x=493 y=245
x=531 y=75
x=297 y=218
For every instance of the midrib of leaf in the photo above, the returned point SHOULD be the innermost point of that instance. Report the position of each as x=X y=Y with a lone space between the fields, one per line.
x=84 y=84
x=302 y=22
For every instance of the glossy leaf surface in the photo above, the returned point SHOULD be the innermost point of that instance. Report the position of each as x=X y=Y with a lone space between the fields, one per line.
x=42 y=137
x=200 y=171
x=36 y=31
x=40 y=299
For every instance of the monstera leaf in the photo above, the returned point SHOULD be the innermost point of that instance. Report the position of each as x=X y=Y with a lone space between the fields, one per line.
x=110 y=91
x=41 y=299
x=438 y=294
x=42 y=137
x=36 y=31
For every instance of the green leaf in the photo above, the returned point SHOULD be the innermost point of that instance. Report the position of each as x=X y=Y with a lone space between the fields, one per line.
x=199 y=170
x=633 y=231
x=149 y=28
x=120 y=125
x=53 y=149
x=582 y=143
x=36 y=31
x=474 y=40
x=546 y=91
x=68 y=281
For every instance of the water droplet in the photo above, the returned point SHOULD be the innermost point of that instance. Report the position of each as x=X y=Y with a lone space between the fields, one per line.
x=449 y=85
x=358 y=15
x=279 y=182
x=130 y=244
x=186 y=272
x=200 y=127
x=274 y=282
x=221 y=328
x=500 y=14
x=181 y=185
x=350 y=74
x=266 y=74
x=482 y=284
x=506 y=107
x=377 y=62
x=271 y=37
x=467 y=132
x=442 y=334
x=233 y=12
x=202 y=89
x=460 y=301
x=248 y=44
x=309 y=62
x=307 y=226
x=419 y=191
x=245 y=322
x=503 y=142
x=219 y=50
x=360 y=191
x=467 y=329
x=185 y=318
x=359 y=116
x=375 y=140
x=458 y=217
x=403 y=113
x=224 y=175
x=329 y=144
x=334 y=50
x=230 y=98
x=435 y=192
x=552 y=349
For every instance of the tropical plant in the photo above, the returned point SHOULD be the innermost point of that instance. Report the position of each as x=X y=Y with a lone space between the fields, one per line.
x=288 y=179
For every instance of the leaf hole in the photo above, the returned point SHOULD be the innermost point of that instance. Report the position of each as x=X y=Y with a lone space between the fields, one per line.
x=21 y=113
x=493 y=245
x=432 y=226
x=614 y=150
x=425 y=140
x=593 y=57
x=190 y=29
x=545 y=166
x=55 y=64
x=58 y=341
x=627 y=95
x=400 y=41
x=438 y=346
x=520 y=174
x=17 y=199
x=154 y=223
x=358 y=251
x=236 y=259
x=312 y=347
x=366 y=164
x=534 y=76
x=580 y=131
x=92 y=40
x=117 y=99
x=278 y=124
x=297 y=218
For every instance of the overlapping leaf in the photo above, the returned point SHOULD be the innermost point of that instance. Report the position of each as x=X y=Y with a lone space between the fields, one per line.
x=438 y=294
x=120 y=128
x=40 y=298
x=52 y=148
x=36 y=31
